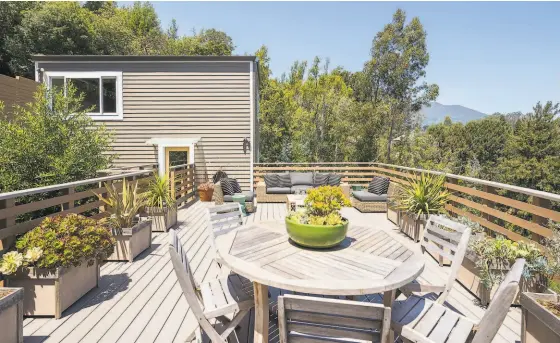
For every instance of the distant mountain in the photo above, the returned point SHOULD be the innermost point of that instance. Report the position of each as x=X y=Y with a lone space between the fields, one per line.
x=437 y=112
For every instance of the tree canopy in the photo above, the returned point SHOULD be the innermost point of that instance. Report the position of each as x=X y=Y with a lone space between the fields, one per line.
x=94 y=28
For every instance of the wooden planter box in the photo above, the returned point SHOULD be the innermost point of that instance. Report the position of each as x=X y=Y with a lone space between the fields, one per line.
x=469 y=277
x=538 y=324
x=393 y=215
x=50 y=292
x=11 y=315
x=163 y=219
x=132 y=241
x=411 y=226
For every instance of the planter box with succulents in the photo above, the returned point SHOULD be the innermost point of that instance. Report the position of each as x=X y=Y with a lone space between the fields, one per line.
x=131 y=241
x=163 y=218
x=469 y=276
x=11 y=315
x=132 y=234
x=416 y=199
x=48 y=292
x=160 y=205
x=540 y=318
x=56 y=263
x=413 y=225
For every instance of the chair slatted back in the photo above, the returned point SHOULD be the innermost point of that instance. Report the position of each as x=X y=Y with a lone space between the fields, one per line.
x=189 y=285
x=449 y=239
x=499 y=306
x=222 y=219
x=302 y=318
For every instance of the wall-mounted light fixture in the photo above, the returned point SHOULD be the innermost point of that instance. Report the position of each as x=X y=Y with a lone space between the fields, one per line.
x=246 y=145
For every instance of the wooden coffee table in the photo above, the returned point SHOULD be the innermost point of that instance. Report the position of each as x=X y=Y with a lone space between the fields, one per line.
x=293 y=201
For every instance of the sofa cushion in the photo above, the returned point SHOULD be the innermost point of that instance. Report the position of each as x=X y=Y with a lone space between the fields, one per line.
x=367 y=196
x=320 y=179
x=228 y=187
x=300 y=187
x=285 y=180
x=334 y=179
x=278 y=190
x=271 y=180
x=249 y=196
x=301 y=179
x=379 y=185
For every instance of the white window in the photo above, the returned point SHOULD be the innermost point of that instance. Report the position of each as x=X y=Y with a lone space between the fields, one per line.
x=102 y=91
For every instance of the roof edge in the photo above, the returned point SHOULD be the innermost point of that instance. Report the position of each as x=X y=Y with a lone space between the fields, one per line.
x=140 y=58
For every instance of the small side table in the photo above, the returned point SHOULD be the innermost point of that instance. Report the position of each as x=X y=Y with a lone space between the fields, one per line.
x=240 y=198
x=294 y=201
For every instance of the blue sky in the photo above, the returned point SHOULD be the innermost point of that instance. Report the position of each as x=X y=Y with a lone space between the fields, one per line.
x=492 y=57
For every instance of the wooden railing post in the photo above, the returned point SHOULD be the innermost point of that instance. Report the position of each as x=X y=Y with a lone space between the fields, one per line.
x=545 y=203
x=6 y=223
x=172 y=182
x=70 y=204
x=491 y=204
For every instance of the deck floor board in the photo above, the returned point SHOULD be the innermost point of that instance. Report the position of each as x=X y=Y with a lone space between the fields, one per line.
x=142 y=301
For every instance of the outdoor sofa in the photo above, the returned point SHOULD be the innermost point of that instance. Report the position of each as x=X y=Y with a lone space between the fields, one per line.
x=276 y=187
x=368 y=201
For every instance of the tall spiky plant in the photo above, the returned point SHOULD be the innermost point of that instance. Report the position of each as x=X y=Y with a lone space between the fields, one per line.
x=424 y=195
x=158 y=193
x=123 y=205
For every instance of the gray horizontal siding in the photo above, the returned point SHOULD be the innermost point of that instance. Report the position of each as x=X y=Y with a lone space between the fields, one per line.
x=182 y=100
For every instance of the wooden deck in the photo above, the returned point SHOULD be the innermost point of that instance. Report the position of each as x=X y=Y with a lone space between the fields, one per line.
x=142 y=301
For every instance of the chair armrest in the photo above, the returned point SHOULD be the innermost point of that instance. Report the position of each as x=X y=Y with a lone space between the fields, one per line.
x=261 y=189
x=218 y=195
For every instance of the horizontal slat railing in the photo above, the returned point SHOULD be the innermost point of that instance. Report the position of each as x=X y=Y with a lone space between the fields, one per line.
x=515 y=212
x=21 y=211
x=183 y=187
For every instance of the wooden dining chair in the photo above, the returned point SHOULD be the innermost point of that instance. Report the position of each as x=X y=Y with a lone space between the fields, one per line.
x=448 y=239
x=311 y=319
x=210 y=300
x=221 y=220
x=424 y=321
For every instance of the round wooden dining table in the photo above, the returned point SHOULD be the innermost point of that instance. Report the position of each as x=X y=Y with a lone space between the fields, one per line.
x=368 y=261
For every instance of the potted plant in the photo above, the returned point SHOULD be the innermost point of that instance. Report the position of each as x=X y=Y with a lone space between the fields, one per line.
x=160 y=205
x=541 y=312
x=11 y=315
x=417 y=199
x=488 y=260
x=319 y=224
x=205 y=191
x=57 y=263
x=132 y=235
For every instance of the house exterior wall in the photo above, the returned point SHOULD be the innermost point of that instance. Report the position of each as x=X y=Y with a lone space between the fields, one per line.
x=210 y=100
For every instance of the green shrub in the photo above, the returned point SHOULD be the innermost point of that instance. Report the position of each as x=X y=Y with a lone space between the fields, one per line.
x=321 y=207
x=423 y=195
x=61 y=241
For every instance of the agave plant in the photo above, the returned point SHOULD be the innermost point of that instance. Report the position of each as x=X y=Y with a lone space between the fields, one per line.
x=158 y=193
x=424 y=195
x=123 y=205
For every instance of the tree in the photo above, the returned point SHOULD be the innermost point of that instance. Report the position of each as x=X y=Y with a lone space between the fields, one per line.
x=11 y=14
x=51 y=141
x=173 y=30
x=399 y=58
x=532 y=155
x=144 y=23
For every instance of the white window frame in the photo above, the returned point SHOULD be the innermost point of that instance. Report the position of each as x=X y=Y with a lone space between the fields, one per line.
x=92 y=75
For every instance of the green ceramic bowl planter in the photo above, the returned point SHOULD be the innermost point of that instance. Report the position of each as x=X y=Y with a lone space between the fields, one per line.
x=320 y=224
x=316 y=236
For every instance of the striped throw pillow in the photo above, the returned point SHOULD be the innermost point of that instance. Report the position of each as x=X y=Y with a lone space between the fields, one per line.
x=334 y=179
x=285 y=180
x=236 y=186
x=227 y=186
x=379 y=185
x=271 y=180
